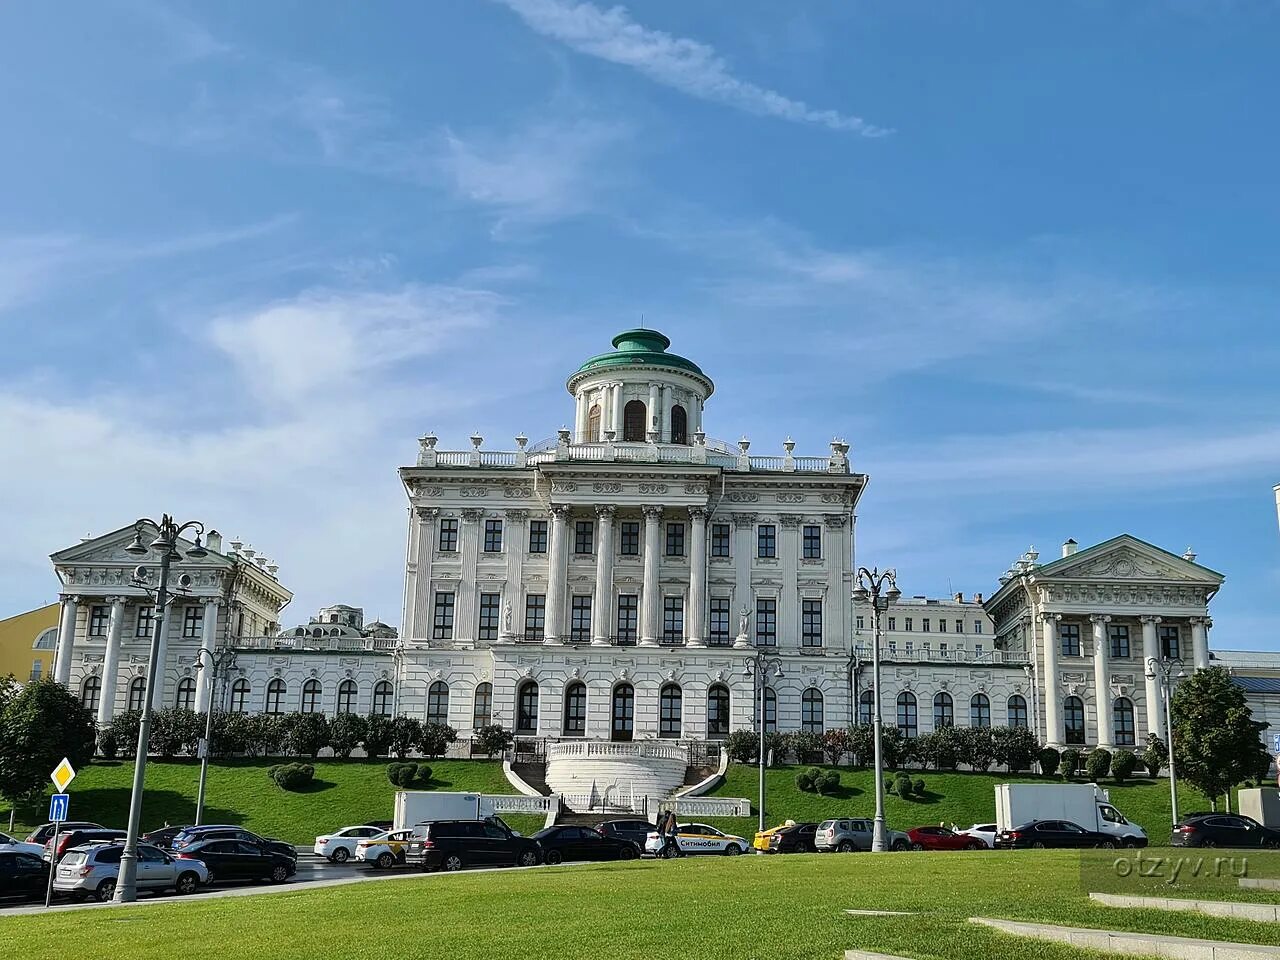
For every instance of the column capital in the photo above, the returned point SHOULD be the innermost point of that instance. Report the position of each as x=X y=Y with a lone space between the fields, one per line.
x=745 y=519
x=652 y=512
x=517 y=513
x=561 y=511
x=1050 y=617
x=698 y=514
x=605 y=511
x=1100 y=618
x=1197 y=621
x=791 y=520
x=116 y=600
x=472 y=514
x=427 y=513
x=72 y=598
x=1150 y=618
x=835 y=521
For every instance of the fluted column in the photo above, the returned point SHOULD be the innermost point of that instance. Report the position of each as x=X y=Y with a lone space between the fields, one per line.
x=616 y=410
x=208 y=636
x=111 y=663
x=602 y=605
x=664 y=413
x=419 y=623
x=1151 y=651
x=695 y=618
x=649 y=611
x=557 y=574
x=652 y=426
x=1102 y=679
x=166 y=620
x=66 y=639
x=1200 y=642
x=1052 y=693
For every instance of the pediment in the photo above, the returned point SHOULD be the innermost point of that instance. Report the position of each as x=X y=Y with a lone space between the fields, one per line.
x=109 y=549
x=1127 y=558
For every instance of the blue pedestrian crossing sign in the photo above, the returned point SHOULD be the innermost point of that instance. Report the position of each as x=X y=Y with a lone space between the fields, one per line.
x=59 y=807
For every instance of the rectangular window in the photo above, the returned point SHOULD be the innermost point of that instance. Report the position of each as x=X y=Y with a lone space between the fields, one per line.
x=493 y=536
x=911 y=647
x=924 y=624
x=672 y=619
x=442 y=620
x=977 y=626
x=766 y=623
x=908 y=626
x=675 y=539
x=146 y=622
x=535 y=616
x=977 y=651
x=580 y=618
x=861 y=623
x=1170 y=643
x=629 y=538
x=1069 y=635
x=628 y=617
x=813 y=543
x=720 y=539
x=489 y=606
x=719 y=634
x=1119 y=635
x=449 y=535
x=959 y=626
x=537 y=536
x=942 y=624
x=893 y=623
x=766 y=541
x=584 y=535
x=811 y=623
x=192 y=621
x=98 y=616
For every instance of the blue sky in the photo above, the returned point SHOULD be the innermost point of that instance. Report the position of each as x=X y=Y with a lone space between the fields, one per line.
x=1023 y=258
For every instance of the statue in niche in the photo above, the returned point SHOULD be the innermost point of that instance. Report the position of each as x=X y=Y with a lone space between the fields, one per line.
x=506 y=617
x=744 y=622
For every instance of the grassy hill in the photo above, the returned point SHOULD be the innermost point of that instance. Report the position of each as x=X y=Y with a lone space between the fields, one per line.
x=344 y=792
x=961 y=798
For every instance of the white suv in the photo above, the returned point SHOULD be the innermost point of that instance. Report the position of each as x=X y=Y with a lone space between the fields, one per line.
x=91 y=871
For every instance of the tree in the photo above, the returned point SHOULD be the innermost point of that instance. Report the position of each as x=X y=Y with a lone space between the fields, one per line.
x=38 y=727
x=835 y=744
x=405 y=734
x=807 y=746
x=435 y=738
x=306 y=734
x=1049 y=758
x=977 y=748
x=1123 y=764
x=1156 y=756
x=1216 y=742
x=742 y=746
x=492 y=739
x=346 y=731
x=377 y=735
x=1016 y=747
x=1097 y=764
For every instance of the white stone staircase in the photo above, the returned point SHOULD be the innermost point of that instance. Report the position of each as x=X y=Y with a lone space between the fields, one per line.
x=603 y=775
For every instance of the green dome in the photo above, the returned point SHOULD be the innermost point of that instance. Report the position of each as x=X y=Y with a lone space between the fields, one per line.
x=643 y=347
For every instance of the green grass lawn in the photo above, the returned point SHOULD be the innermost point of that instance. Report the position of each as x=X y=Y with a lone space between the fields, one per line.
x=961 y=798
x=343 y=793
x=788 y=908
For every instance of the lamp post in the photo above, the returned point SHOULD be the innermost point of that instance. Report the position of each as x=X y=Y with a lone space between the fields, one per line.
x=761 y=667
x=168 y=532
x=220 y=663
x=871 y=586
x=1168 y=671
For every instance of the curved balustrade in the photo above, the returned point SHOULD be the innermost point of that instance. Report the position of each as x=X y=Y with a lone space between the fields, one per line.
x=608 y=749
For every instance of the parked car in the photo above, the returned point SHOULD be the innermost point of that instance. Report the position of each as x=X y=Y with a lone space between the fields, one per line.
x=1041 y=834
x=42 y=833
x=695 y=838
x=75 y=838
x=940 y=838
x=11 y=844
x=340 y=846
x=848 y=835
x=790 y=837
x=637 y=831
x=986 y=832
x=569 y=843
x=164 y=837
x=1223 y=830
x=386 y=849
x=192 y=835
x=22 y=875
x=91 y=870
x=454 y=844
x=238 y=860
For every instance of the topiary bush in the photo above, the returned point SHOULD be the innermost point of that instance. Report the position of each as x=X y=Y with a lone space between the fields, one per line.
x=1049 y=759
x=827 y=784
x=804 y=781
x=292 y=776
x=107 y=745
x=404 y=774
x=1097 y=764
x=1070 y=761
x=902 y=786
x=1123 y=764
x=918 y=787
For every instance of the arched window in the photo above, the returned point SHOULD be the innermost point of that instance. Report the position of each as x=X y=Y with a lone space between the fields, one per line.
x=679 y=425
x=634 y=421
x=186 y=693
x=575 y=709
x=91 y=693
x=943 y=711
x=482 y=712
x=1123 y=715
x=347 y=696
x=811 y=711
x=1073 y=721
x=240 y=696
x=593 y=424
x=311 y=696
x=438 y=702
x=866 y=706
x=334 y=631
x=907 y=714
x=382 y=698
x=717 y=711
x=1018 y=711
x=624 y=712
x=770 y=710
x=275 y=696
x=46 y=640
x=670 y=711
x=137 y=691
x=527 y=708
x=980 y=710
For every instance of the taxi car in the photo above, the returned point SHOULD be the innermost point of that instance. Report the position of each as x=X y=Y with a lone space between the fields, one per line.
x=788 y=837
x=695 y=838
x=385 y=850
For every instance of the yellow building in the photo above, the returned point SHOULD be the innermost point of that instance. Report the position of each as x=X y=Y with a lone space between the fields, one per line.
x=27 y=642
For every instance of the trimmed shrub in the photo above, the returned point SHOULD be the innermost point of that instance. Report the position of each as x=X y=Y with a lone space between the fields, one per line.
x=1070 y=761
x=742 y=746
x=305 y=734
x=435 y=739
x=804 y=781
x=918 y=787
x=1123 y=764
x=292 y=776
x=828 y=783
x=1098 y=764
x=1049 y=759
x=404 y=774
x=492 y=739
x=107 y=746
x=902 y=786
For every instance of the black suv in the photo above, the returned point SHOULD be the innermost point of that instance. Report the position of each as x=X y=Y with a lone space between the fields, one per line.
x=637 y=831
x=454 y=844
x=190 y=836
x=1223 y=830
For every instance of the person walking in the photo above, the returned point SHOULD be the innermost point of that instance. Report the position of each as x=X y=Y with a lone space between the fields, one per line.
x=668 y=828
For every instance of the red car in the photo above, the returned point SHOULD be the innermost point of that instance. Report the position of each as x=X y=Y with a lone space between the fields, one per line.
x=940 y=838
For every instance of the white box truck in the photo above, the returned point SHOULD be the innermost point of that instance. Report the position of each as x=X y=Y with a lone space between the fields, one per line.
x=419 y=806
x=1085 y=804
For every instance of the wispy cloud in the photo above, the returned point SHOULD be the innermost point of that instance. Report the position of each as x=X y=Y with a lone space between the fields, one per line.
x=687 y=65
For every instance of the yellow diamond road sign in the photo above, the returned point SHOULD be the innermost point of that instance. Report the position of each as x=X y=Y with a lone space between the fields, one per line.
x=62 y=775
